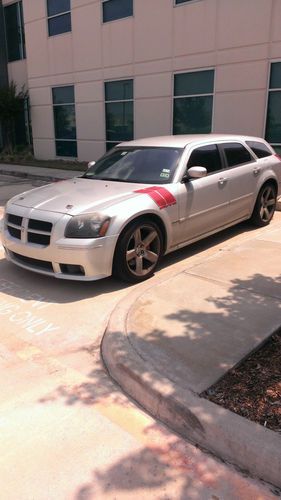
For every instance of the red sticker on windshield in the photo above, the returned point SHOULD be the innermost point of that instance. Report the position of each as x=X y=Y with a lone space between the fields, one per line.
x=162 y=197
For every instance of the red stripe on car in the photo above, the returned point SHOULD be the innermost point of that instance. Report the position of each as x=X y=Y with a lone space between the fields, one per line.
x=162 y=197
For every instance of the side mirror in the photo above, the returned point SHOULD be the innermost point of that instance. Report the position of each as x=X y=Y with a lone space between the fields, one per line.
x=91 y=164
x=194 y=173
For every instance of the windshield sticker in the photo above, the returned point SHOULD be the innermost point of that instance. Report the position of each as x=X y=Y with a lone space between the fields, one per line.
x=165 y=175
x=160 y=195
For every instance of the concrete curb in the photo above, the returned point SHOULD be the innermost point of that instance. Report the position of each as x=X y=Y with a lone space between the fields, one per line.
x=227 y=435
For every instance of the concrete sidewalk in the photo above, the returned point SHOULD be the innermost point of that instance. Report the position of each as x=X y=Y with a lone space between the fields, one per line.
x=168 y=342
x=34 y=172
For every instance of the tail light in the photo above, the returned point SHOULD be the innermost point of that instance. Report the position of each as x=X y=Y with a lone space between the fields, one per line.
x=278 y=156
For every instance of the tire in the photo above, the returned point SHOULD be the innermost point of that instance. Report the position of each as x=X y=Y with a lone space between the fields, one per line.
x=138 y=251
x=265 y=205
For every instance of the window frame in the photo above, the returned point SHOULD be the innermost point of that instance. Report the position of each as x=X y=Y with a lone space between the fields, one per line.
x=245 y=146
x=55 y=105
x=213 y=94
x=58 y=15
x=198 y=146
x=109 y=101
x=274 y=145
x=118 y=18
x=224 y=164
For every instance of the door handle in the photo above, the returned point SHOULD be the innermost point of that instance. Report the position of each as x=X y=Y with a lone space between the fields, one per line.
x=256 y=171
x=222 y=181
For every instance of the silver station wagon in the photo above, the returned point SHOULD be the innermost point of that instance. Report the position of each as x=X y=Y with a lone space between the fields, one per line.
x=141 y=200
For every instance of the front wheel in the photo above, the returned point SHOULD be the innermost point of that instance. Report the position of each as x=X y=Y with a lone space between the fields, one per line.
x=138 y=251
x=265 y=205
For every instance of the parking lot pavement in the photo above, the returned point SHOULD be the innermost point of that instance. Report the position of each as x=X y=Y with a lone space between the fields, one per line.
x=67 y=430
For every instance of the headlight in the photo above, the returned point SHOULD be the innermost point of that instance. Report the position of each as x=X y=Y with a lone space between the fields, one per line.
x=87 y=226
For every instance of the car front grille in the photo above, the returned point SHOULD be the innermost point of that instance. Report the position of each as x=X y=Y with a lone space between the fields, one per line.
x=33 y=231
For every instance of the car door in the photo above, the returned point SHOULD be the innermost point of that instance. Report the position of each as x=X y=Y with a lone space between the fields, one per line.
x=242 y=173
x=204 y=202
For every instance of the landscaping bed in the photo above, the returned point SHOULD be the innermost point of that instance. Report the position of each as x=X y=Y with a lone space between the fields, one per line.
x=29 y=160
x=253 y=388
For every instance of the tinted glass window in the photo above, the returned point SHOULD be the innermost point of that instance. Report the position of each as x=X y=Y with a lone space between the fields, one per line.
x=64 y=121
x=273 y=121
x=236 y=154
x=14 y=28
x=119 y=121
x=193 y=102
x=206 y=156
x=65 y=126
x=61 y=20
x=66 y=148
x=182 y=1
x=193 y=115
x=59 y=24
x=141 y=165
x=57 y=6
x=259 y=148
x=116 y=9
x=119 y=91
x=194 y=83
x=119 y=112
x=273 y=124
x=63 y=95
x=275 y=76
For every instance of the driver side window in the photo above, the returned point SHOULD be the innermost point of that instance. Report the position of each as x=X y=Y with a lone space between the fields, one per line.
x=206 y=156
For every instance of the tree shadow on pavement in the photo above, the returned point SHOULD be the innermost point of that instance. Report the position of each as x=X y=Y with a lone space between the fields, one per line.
x=169 y=468
x=167 y=463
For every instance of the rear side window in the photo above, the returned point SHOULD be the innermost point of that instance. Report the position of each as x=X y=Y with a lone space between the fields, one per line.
x=206 y=156
x=236 y=154
x=260 y=149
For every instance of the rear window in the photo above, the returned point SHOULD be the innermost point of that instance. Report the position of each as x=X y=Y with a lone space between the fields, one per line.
x=236 y=154
x=260 y=149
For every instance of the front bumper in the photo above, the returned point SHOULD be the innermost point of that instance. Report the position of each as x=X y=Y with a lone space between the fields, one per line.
x=65 y=258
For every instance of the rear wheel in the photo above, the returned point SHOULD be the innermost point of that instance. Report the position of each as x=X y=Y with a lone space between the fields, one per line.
x=138 y=251
x=265 y=205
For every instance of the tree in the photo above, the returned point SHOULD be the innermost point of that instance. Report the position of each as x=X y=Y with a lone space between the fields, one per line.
x=11 y=104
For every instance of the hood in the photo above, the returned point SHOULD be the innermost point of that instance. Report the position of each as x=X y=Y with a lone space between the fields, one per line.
x=76 y=196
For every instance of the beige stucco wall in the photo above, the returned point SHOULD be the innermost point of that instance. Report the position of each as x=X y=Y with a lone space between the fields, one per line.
x=238 y=39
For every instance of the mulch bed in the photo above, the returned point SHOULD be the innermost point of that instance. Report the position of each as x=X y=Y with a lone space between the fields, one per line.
x=253 y=388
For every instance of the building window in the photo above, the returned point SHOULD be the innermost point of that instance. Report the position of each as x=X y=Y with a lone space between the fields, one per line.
x=119 y=112
x=177 y=2
x=64 y=121
x=273 y=122
x=14 y=28
x=116 y=9
x=193 y=102
x=59 y=16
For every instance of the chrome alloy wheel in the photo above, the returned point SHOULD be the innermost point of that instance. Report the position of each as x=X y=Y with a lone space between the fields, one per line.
x=267 y=203
x=143 y=250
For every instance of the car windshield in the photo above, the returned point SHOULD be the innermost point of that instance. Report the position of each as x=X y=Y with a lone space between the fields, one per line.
x=149 y=165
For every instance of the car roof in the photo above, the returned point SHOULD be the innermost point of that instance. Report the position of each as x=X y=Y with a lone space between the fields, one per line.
x=180 y=141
